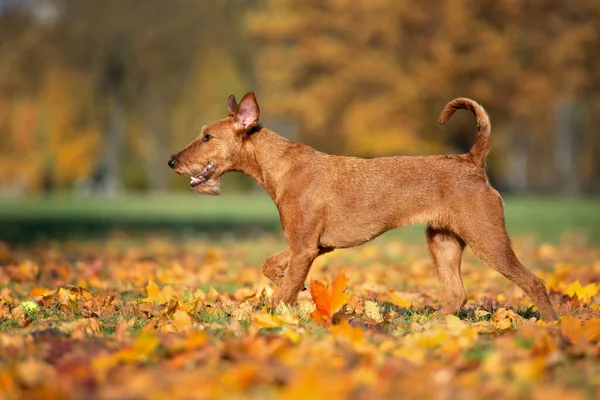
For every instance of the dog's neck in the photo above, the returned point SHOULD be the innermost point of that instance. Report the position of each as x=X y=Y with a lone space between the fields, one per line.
x=263 y=158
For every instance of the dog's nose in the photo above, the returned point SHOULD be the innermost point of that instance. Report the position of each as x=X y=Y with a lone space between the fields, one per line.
x=172 y=162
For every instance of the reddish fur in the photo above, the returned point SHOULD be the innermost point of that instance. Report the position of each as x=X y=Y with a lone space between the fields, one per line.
x=327 y=202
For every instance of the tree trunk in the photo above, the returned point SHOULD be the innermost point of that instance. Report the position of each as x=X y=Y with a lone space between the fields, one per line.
x=159 y=153
x=568 y=139
x=593 y=146
x=110 y=182
x=518 y=152
x=106 y=179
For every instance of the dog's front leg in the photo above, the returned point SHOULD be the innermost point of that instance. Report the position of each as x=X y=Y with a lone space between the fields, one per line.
x=297 y=271
x=274 y=266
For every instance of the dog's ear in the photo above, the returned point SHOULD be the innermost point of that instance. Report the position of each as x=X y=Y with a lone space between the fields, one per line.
x=232 y=106
x=247 y=113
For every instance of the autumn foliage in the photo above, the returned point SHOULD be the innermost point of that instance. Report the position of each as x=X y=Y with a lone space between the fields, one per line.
x=193 y=319
x=135 y=80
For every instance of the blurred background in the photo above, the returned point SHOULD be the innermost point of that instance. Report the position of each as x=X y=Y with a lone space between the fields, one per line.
x=96 y=94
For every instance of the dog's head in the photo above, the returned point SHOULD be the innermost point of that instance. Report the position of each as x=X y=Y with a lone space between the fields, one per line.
x=217 y=148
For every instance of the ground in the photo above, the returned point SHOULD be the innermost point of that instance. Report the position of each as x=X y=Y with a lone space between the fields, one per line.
x=164 y=315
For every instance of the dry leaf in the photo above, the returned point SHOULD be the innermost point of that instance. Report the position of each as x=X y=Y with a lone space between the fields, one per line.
x=330 y=300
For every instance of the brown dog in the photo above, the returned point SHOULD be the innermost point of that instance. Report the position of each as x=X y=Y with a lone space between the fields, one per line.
x=327 y=202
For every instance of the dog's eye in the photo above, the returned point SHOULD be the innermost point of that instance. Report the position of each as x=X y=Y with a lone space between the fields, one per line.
x=206 y=137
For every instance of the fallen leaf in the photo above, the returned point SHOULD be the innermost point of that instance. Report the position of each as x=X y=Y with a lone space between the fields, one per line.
x=372 y=311
x=181 y=319
x=505 y=319
x=584 y=293
x=330 y=300
x=571 y=329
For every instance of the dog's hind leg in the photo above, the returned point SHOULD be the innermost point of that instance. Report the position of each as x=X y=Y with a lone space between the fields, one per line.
x=483 y=229
x=446 y=250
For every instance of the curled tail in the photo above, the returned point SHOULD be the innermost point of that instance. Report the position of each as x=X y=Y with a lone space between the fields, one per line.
x=481 y=147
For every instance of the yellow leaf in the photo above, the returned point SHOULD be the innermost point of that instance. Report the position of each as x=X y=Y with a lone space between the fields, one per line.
x=455 y=325
x=288 y=319
x=484 y=327
x=143 y=348
x=293 y=336
x=212 y=294
x=152 y=290
x=265 y=320
x=156 y=295
x=411 y=353
x=145 y=343
x=528 y=370
x=244 y=293
x=181 y=319
x=399 y=301
x=584 y=293
x=506 y=319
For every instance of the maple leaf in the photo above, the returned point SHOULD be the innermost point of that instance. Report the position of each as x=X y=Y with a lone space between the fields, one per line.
x=584 y=293
x=330 y=300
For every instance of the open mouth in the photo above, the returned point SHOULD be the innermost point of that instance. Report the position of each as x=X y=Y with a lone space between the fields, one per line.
x=203 y=175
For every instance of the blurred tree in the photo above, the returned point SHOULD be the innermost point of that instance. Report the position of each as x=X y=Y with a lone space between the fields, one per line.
x=104 y=90
x=134 y=60
x=369 y=77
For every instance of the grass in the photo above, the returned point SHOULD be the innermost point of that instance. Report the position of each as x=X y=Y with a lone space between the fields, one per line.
x=195 y=330
x=32 y=218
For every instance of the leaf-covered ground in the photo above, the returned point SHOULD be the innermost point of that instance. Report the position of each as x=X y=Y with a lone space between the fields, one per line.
x=164 y=319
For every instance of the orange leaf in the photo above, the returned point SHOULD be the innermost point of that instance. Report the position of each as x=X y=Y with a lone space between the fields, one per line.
x=570 y=328
x=338 y=297
x=317 y=315
x=329 y=300
x=591 y=330
x=354 y=335
x=318 y=292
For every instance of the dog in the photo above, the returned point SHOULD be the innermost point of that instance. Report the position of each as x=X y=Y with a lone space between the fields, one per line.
x=328 y=202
